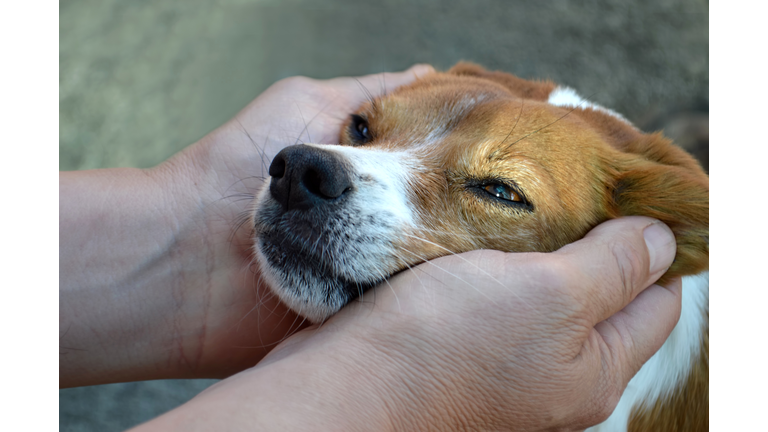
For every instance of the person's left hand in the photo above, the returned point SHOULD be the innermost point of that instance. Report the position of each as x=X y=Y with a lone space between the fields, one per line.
x=231 y=318
x=156 y=278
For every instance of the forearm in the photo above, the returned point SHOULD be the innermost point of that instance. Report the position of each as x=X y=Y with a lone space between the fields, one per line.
x=326 y=384
x=116 y=244
x=155 y=278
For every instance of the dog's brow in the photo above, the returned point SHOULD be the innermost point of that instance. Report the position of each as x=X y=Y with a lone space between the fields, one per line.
x=492 y=156
x=548 y=125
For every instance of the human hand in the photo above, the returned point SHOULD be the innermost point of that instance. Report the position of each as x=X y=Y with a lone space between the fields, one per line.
x=229 y=167
x=156 y=279
x=534 y=342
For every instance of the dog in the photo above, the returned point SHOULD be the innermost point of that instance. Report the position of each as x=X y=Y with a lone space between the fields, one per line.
x=472 y=159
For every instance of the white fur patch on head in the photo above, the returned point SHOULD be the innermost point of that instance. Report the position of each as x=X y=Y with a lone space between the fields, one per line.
x=567 y=97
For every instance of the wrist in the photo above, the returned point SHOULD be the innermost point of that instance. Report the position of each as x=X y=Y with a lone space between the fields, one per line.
x=119 y=266
x=422 y=388
x=371 y=372
x=318 y=383
x=100 y=281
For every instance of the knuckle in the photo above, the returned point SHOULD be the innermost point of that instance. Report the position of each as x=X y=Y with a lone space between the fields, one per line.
x=556 y=273
x=563 y=279
x=612 y=399
x=629 y=262
x=605 y=403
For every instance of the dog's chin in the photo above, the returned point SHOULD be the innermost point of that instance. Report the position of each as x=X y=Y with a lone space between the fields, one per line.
x=303 y=284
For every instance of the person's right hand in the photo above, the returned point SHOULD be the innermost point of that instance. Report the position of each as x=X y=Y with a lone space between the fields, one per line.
x=479 y=341
x=537 y=341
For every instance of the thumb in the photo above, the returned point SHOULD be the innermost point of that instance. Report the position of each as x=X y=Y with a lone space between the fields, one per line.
x=616 y=261
x=640 y=329
x=616 y=266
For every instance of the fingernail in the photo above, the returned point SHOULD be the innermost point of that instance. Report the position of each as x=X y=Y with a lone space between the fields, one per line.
x=422 y=69
x=661 y=246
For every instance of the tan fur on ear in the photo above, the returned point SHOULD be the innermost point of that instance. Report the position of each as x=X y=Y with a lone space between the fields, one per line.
x=536 y=90
x=659 y=180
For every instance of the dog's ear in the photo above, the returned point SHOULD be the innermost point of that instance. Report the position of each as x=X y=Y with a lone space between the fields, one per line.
x=536 y=90
x=659 y=180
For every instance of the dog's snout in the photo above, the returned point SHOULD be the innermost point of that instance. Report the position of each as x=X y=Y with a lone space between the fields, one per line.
x=305 y=176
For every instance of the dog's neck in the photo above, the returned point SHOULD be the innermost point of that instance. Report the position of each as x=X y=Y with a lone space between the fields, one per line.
x=671 y=390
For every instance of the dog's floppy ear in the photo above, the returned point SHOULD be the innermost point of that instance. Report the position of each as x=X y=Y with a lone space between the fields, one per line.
x=536 y=90
x=659 y=180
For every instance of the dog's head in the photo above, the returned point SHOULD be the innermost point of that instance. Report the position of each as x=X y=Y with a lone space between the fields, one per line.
x=458 y=161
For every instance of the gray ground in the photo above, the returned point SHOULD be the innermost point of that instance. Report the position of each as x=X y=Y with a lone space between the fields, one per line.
x=140 y=80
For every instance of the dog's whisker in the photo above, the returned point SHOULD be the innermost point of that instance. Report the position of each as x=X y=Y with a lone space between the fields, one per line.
x=580 y=105
x=383 y=89
x=501 y=284
x=368 y=94
x=397 y=299
x=456 y=255
x=415 y=271
x=306 y=126
x=298 y=326
x=260 y=150
x=517 y=120
x=240 y=220
x=473 y=237
x=415 y=274
x=426 y=261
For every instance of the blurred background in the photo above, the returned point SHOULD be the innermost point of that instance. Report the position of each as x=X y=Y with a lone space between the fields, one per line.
x=140 y=80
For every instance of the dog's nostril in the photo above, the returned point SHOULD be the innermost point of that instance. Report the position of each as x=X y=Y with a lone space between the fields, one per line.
x=277 y=167
x=323 y=184
x=312 y=181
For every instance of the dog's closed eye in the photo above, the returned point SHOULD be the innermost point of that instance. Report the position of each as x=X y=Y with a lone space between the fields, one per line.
x=502 y=192
x=499 y=192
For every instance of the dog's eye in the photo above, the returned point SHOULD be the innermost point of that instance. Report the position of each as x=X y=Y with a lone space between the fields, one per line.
x=358 y=129
x=502 y=192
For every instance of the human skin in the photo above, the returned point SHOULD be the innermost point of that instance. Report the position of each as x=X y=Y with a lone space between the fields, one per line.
x=156 y=281
x=552 y=350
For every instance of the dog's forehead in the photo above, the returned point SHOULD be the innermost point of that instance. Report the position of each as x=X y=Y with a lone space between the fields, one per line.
x=446 y=100
x=429 y=114
x=475 y=115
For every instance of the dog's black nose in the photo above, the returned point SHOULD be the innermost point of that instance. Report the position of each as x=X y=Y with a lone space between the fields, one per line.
x=305 y=176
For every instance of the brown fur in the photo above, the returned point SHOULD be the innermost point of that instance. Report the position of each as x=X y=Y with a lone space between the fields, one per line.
x=577 y=167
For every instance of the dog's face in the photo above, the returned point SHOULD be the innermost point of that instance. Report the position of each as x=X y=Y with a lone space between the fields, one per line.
x=456 y=162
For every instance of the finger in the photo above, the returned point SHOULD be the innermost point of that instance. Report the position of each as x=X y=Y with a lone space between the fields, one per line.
x=636 y=332
x=383 y=83
x=376 y=85
x=616 y=261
